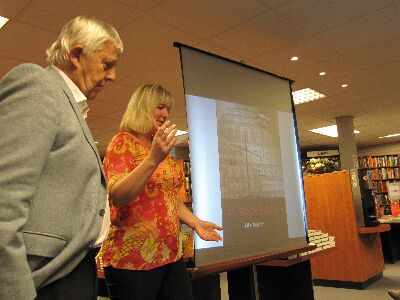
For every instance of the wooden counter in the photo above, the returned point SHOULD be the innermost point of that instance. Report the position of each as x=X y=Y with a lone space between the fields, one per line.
x=357 y=260
x=375 y=229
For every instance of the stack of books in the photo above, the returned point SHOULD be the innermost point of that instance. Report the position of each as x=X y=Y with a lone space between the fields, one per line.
x=321 y=240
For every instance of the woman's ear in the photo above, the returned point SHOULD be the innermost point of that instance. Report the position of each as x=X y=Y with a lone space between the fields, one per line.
x=75 y=55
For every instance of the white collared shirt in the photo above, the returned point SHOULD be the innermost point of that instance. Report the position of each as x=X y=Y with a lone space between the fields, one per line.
x=81 y=99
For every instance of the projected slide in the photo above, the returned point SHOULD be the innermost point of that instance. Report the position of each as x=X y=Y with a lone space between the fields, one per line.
x=244 y=158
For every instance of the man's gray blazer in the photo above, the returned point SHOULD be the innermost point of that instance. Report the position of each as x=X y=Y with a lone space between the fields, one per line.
x=52 y=187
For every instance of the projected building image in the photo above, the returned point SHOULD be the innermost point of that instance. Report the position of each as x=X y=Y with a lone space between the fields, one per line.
x=249 y=153
x=250 y=166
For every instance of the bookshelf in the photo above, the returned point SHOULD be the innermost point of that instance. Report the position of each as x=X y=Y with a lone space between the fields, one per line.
x=185 y=192
x=384 y=169
x=188 y=181
x=186 y=233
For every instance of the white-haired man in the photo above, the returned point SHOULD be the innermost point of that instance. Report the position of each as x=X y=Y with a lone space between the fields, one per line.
x=52 y=187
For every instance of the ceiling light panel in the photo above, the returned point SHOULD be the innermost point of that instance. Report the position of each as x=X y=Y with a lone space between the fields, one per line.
x=306 y=95
x=3 y=21
x=330 y=131
x=389 y=136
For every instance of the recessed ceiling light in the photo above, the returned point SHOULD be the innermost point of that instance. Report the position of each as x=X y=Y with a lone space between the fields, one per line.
x=294 y=58
x=180 y=132
x=389 y=136
x=328 y=131
x=306 y=95
x=96 y=142
x=322 y=73
x=3 y=21
x=344 y=85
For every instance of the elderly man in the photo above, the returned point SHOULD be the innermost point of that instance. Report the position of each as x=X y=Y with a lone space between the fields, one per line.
x=52 y=188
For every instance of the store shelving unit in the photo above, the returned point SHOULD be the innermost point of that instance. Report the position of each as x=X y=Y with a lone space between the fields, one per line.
x=384 y=168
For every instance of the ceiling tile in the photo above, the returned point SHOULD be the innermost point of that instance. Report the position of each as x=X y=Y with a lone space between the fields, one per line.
x=115 y=93
x=387 y=76
x=272 y=3
x=335 y=67
x=316 y=16
x=258 y=35
x=330 y=114
x=208 y=17
x=368 y=98
x=10 y=9
x=53 y=14
x=152 y=40
x=309 y=50
x=157 y=74
x=26 y=38
x=365 y=31
x=314 y=106
x=98 y=109
x=106 y=124
x=218 y=50
x=142 y=5
x=377 y=55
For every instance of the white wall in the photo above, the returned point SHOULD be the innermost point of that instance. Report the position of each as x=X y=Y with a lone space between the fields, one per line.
x=384 y=149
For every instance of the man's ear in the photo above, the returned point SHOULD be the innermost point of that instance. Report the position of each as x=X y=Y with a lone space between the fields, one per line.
x=75 y=55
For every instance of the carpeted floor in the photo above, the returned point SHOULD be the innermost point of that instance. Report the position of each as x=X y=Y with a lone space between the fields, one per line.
x=376 y=291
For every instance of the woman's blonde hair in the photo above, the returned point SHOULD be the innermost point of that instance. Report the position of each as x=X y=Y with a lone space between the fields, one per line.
x=138 y=116
x=89 y=32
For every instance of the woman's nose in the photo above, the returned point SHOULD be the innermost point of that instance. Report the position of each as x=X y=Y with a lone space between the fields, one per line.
x=165 y=112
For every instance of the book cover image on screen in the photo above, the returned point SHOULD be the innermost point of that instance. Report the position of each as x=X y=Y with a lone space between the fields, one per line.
x=245 y=168
x=251 y=176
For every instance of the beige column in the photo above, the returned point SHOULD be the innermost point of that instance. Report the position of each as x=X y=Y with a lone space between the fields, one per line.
x=347 y=141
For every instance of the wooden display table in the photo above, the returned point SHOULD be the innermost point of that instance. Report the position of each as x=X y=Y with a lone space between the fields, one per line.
x=292 y=261
x=357 y=259
x=391 y=239
x=390 y=220
x=376 y=229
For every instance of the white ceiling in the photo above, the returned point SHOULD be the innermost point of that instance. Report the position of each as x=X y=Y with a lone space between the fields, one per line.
x=354 y=41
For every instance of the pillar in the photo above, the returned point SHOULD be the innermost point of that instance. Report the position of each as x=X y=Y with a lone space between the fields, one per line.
x=347 y=141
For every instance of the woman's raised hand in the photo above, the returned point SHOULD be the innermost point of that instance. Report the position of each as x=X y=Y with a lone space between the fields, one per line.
x=164 y=139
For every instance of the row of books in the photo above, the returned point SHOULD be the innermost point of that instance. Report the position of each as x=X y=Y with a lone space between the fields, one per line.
x=380 y=186
x=186 y=167
x=385 y=173
x=382 y=199
x=379 y=161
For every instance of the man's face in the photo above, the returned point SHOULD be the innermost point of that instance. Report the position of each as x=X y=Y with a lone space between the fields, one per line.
x=95 y=70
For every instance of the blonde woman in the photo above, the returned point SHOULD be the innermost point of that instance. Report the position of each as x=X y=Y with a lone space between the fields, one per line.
x=141 y=257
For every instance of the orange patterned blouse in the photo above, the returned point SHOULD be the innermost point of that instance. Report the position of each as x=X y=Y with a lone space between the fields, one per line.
x=145 y=233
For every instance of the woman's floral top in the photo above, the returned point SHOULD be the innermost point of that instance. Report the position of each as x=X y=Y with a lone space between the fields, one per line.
x=145 y=233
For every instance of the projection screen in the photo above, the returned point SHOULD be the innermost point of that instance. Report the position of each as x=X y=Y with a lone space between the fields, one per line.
x=244 y=156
